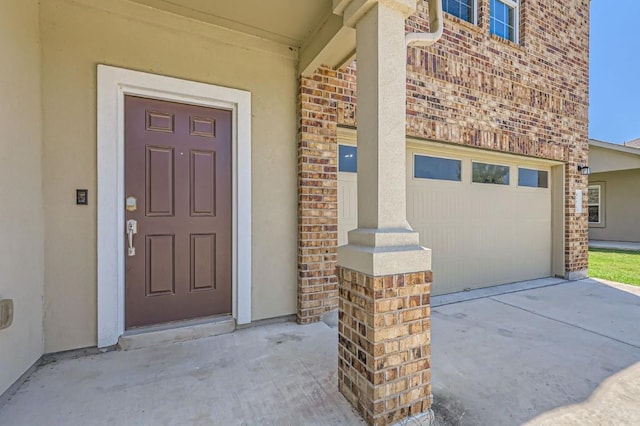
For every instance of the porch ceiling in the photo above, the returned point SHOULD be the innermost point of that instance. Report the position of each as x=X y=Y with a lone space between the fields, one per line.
x=289 y=22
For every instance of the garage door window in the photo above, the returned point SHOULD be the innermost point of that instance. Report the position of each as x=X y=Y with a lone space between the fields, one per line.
x=533 y=178
x=348 y=159
x=490 y=173
x=425 y=167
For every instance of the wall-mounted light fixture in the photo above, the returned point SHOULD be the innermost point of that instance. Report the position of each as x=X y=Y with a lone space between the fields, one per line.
x=584 y=170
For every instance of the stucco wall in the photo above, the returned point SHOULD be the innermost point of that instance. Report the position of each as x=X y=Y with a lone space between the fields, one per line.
x=621 y=204
x=604 y=160
x=21 y=222
x=78 y=35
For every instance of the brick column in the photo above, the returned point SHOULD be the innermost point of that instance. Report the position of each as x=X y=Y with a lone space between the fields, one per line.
x=384 y=274
x=317 y=197
x=576 y=225
x=384 y=344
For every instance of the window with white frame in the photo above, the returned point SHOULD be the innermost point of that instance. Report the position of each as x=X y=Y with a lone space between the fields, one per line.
x=463 y=9
x=504 y=19
x=595 y=201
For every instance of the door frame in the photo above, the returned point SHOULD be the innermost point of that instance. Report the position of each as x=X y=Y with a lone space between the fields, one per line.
x=113 y=84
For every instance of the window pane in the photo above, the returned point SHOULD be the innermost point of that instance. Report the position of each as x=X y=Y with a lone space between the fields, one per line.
x=463 y=9
x=492 y=26
x=510 y=23
x=502 y=21
x=490 y=173
x=499 y=10
x=533 y=178
x=594 y=195
x=594 y=214
x=348 y=158
x=436 y=168
x=498 y=29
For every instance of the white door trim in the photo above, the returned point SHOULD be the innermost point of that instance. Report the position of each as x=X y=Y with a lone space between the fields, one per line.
x=113 y=84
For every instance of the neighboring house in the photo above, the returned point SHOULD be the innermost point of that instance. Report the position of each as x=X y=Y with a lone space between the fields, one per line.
x=633 y=144
x=163 y=161
x=614 y=192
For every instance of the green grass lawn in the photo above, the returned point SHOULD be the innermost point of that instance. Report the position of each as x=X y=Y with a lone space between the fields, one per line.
x=615 y=265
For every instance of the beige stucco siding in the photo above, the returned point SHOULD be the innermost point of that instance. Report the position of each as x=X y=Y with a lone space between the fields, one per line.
x=621 y=206
x=21 y=221
x=604 y=160
x=78 y=35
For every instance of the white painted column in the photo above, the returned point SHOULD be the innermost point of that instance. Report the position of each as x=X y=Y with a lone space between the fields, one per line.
x=384 y=243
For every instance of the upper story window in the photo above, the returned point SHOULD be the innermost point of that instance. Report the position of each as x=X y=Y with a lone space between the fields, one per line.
x=504 y=19
x=463 y=9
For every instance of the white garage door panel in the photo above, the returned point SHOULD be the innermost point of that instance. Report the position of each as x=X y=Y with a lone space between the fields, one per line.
x=481 y=234
x=347 y=205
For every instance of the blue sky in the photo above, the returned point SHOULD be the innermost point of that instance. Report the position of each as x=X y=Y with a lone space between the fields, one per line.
x=614 y=113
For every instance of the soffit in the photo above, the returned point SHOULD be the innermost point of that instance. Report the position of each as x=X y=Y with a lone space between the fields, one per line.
x=288 y=22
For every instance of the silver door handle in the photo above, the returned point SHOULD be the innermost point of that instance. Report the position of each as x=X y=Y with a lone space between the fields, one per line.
x=132 y=229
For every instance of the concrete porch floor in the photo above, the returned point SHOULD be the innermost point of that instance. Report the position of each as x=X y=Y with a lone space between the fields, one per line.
x=567 y=353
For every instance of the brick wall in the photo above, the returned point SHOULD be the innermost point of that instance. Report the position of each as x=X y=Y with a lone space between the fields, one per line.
x=529 y=98
x=318 y=196
x=384 y=344
x=475 y=89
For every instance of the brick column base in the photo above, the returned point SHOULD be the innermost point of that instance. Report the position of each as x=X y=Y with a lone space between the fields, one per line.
x=384 y=344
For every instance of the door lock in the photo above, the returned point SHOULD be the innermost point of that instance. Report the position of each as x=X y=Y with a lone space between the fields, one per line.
x=132 y=229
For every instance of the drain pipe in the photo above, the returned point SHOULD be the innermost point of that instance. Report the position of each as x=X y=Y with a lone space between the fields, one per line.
x=436 y=26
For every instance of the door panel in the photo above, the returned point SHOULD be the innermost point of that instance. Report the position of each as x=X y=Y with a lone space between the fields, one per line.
x=159 y=166
x=178 y=168
x=160 y=264
x=347 y=205
x=203 y=268
x=481 y=234
x=203 y=183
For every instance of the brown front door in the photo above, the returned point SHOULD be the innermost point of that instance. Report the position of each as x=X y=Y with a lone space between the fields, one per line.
x=178 y=192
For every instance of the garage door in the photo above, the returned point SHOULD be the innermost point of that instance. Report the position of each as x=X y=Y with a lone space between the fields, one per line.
x=487 y=216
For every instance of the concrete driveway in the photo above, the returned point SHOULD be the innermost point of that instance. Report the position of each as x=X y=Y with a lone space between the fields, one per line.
x=540 y=352
x=531 y=356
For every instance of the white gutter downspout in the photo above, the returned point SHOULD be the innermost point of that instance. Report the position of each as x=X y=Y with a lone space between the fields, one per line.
x=436 y=25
